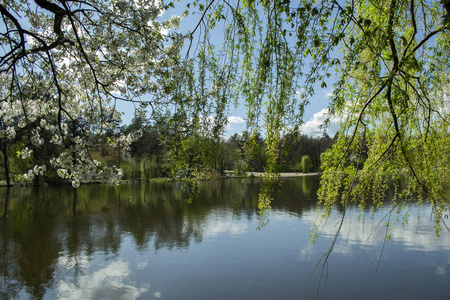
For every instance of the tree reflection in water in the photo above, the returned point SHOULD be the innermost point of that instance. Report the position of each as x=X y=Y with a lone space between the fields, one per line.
x=138 y=239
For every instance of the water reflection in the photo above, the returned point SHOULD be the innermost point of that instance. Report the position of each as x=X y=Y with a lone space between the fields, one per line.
x=366 y=229
x=88 y=282
x=137 y=240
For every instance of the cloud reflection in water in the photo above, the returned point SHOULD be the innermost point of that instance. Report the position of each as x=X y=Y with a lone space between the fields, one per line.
x=108 y=282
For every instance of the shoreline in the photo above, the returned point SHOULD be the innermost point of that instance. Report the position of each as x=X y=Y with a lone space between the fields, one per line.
x=284 y=174
x=226 y=175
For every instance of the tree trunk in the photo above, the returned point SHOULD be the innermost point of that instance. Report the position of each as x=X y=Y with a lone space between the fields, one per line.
x=5 y=158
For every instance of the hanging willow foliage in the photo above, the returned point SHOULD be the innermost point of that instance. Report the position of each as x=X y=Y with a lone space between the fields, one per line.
x=255 y=63
x=391 y=94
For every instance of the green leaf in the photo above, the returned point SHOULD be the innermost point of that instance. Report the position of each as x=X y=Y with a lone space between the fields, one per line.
x=404 y=41
x=316 y=42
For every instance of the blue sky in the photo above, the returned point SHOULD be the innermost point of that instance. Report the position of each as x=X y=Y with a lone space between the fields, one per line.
x=315 y=112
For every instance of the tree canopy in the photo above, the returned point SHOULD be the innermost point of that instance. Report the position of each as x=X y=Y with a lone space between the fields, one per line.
x=64 y=64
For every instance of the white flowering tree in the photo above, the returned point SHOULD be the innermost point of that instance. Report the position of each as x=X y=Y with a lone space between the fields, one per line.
x=65 y=64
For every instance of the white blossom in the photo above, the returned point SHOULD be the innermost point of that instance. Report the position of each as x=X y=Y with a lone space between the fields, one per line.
x=62 y=173
x=25 y=153
x=36 y=138
x=10 y=132
x=75 y=183
x=39 y=170
x=29 y=175
x=56 y=139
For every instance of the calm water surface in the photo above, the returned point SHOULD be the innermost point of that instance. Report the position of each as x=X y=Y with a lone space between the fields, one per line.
x=143 y=241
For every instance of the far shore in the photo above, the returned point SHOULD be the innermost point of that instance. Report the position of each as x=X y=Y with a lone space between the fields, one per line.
x=226 y=174
x=260 y=174
x=230 y=174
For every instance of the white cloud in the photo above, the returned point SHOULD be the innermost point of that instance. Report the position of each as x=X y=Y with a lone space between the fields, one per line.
x=105 y=283
x=217 y=224
x=367 y=230
x=312 y=127
x=235 y=120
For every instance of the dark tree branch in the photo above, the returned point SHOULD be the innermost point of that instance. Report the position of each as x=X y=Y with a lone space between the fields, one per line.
x=57 y=11
x=198 y=25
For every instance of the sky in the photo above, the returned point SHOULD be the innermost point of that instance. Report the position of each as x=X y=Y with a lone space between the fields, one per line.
x=314 y=115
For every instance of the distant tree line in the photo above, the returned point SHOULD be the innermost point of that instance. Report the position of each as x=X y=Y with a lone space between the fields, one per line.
x=170 y=149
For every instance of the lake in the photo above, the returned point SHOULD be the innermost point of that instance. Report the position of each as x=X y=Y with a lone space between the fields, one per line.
x=144 y=241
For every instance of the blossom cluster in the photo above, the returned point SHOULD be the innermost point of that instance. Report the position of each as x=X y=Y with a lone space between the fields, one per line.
x=37 y=170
